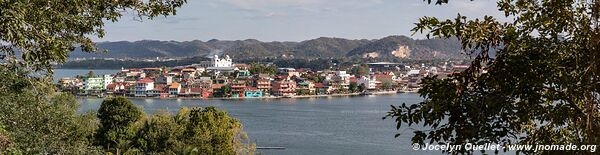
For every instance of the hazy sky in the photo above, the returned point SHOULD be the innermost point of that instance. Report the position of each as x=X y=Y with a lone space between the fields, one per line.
x=291 y=20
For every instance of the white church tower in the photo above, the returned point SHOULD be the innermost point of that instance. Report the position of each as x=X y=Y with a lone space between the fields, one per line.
x=225 y=62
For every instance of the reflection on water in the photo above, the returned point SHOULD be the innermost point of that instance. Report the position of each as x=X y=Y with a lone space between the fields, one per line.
x=332 y=125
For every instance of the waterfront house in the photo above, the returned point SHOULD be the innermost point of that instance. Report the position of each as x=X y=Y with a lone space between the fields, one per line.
x=253 y=92
x=93 y=84
x=158 y=90
x=306 y=87
x=66 y=81
x=284 y=88
x=116 y=88
x=130 y=89
x=174 y=88
x=384 y=78
x=320 y=89
x=195 y=92
x=238 y=87
x=264 y=85
x=107 y=79
x=369 y=82
x=342 y=80
x=142 y=86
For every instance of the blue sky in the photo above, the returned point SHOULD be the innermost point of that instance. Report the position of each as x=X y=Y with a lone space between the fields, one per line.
x=291 y=20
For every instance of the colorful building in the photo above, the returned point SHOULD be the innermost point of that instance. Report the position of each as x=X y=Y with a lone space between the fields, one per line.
x=143 y=86
x=284 y=88
x=253 y=92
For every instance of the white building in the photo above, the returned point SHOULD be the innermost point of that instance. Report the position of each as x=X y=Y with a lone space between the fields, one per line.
x=142 y=86
x=108 y=79
x=93 y=83
x=225 y=62
x=217 y=65
x=342 y=78
x=370 y=83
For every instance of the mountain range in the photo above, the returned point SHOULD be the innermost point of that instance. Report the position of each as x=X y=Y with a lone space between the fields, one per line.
x=389 y=47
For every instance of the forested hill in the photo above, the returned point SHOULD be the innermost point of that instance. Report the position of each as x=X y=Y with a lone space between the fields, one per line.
x=392 y=46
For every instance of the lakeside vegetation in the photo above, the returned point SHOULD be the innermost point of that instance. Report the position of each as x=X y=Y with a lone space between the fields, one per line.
x=541 y=85
x=35 y=119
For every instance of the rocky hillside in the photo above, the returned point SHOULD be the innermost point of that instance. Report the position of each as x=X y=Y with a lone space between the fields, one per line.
x=392 y=46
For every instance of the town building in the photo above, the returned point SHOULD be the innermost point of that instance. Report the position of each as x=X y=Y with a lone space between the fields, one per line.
x=164 y=79
x=369 y=82
x=174 y=88
x=93 y=84
x=284 y=88
x=253 y=92
x=142 y=86
x=306 y=88
x=238 y=88
x=264 y=85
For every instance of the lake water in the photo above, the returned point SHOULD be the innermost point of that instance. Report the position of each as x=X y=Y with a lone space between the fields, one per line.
x=60 y=73
x=333 y=125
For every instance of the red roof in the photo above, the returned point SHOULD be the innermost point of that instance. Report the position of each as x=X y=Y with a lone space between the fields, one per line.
x=145 y=81
x=174 y=85
x=319 y=85
x=111 y=86
x=160 y=87
x=196 y=90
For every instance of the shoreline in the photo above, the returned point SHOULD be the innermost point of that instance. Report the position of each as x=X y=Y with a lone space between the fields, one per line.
x=260 y=98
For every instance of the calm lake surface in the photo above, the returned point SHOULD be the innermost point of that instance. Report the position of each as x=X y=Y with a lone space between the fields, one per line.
x=60 y=73
x=334 y=125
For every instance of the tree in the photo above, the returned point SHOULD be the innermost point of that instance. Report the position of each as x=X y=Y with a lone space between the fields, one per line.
x=211 y=131
x=353 y=87
x=37 y=120
x=540 y=87
x=91 y=74
x=226 y=90
x=303 y=92
x=362 y=87
x=361 y=70
x=256 y=68
x=44 y=32
x=160 y=134
x=117 y=123
x=387 y=85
